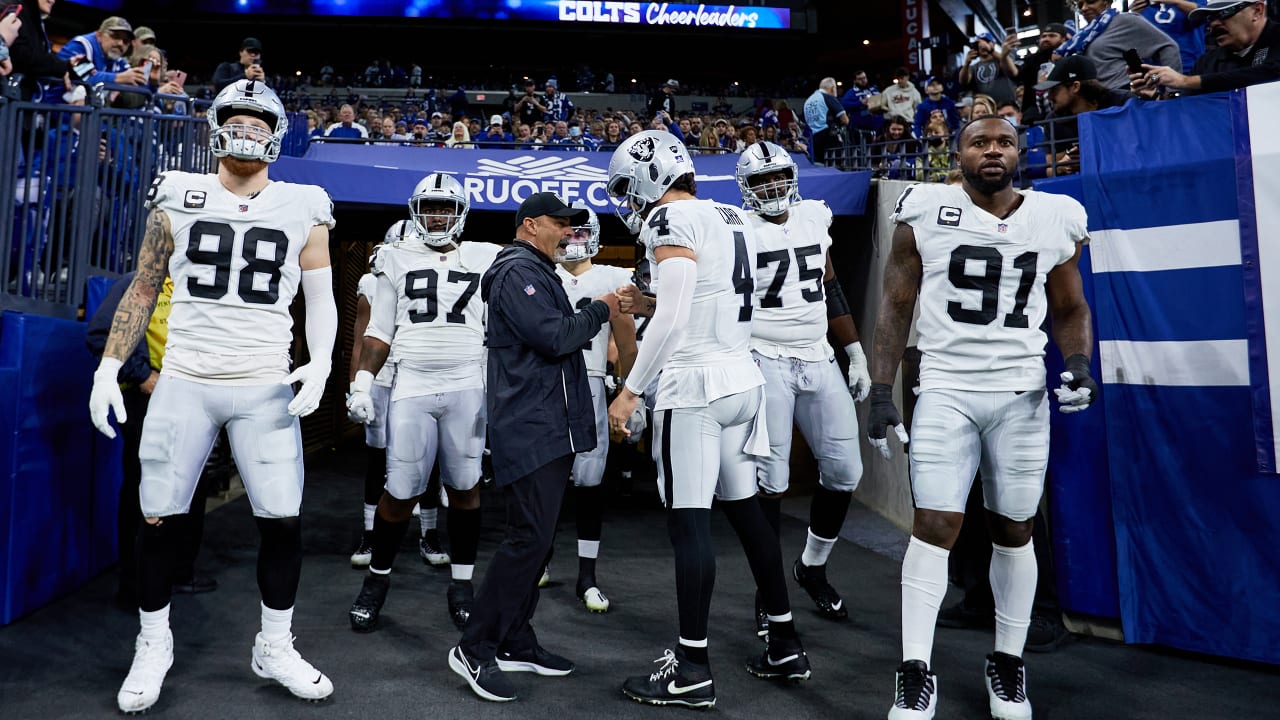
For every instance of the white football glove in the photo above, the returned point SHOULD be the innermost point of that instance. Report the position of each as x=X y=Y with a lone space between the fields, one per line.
x=636 y=425
x=359 y=401
x=610 y=383
x=1079 y=389
x=312 y=376
x=105 y=397
x=859 y=377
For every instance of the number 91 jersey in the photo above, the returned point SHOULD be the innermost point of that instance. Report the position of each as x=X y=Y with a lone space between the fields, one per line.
x=982 y=290
x=235 y=261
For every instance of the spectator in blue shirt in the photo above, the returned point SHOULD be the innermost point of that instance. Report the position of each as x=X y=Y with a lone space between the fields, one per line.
x=1171 y=18
x=935 y=100
x=559 y=107
x=107 y=49
x=495 y=134
x=347 y=127
x=824 y=116
x=854 y=102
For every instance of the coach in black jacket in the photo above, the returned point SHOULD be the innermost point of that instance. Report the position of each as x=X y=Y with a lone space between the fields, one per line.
x=540 y=414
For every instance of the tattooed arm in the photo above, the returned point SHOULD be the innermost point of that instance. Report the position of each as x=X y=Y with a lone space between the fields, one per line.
x=901 y=285
x=134 y=312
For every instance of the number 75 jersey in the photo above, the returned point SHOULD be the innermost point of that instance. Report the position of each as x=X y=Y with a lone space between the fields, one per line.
x=982 y=290
x=235 y=260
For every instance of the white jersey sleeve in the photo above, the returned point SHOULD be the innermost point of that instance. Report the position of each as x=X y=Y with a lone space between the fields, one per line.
x=713 y=358
x=581 y=290
x=791 y=312
x=364 y=288
x=235 y=272
x=982 y=290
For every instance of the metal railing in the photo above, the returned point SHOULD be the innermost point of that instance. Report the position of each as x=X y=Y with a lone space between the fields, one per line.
x=73 y=181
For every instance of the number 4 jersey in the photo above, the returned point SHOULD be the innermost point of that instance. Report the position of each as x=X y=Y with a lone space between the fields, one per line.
x=982 y=291
x=235 y=273
x=427 y=307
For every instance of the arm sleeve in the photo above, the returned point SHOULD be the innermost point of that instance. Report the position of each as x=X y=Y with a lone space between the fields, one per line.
x=538 y=321
x=382 y=311
x=322 y=313
x=663 y=333
x=226 y=74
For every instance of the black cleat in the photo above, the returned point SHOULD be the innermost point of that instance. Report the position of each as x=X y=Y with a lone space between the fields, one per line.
x=460 y=596
x=677 y=682
x=1046 y=633
x=368 y=604
x=781 y=660
x=814 y=581
x=762 y=619
x=430 y=551
x=364 y=551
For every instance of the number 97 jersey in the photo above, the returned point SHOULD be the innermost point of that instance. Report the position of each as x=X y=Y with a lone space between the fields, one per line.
x=235 y=260
x=982 y=289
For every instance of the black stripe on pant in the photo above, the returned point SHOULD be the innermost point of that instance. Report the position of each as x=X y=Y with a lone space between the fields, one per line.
x=668 y=484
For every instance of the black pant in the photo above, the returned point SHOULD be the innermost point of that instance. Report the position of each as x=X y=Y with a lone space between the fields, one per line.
x=506 y=601
x=970 y=561
x=129 y=512
x=824 y=140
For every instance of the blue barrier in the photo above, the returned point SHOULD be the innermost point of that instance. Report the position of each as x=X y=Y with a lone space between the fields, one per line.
x=50 y=502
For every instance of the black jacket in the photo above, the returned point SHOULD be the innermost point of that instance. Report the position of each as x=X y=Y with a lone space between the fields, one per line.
x=538 y=400
x=1221 y=69
x=137 y=367
x=227 y=73
x=31 y=53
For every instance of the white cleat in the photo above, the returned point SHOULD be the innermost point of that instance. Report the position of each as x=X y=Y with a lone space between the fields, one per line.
x=545 y=580
x=595 y=600
x=280 y=662
x=1007 y=687
x=915 y=693
x=151 y=661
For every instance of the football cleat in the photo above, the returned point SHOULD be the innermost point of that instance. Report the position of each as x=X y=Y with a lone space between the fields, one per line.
x=1007 y=687
x=545 y=580
x=364 y=553
x=677 y=682
x=368 y=605
x=596 y=601
x=151 y=661
x=430 y=551
x=814 y=581
x=279 y=661
x=781 y=660
x=460 y=596
x=916 y=693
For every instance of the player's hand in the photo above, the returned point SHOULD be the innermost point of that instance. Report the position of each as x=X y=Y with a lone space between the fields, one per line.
x=636 y=425
x=148 y=386
x=621 y=410
x=610 y=383
x=105 y=397
x=312 y=376
x=884 y=415
x=611 y=300
x=359 y=400
x=1079 y=389
x=859 y=378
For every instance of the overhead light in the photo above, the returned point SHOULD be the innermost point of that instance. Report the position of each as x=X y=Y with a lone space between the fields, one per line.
x=839 y=84
x=1026 y=13
x=866 y=42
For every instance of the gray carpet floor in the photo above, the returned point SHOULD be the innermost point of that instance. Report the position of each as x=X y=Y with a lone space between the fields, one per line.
x=68 y=659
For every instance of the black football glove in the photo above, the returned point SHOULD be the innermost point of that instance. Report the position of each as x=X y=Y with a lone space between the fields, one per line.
x=1079 y=389
x=884 y=415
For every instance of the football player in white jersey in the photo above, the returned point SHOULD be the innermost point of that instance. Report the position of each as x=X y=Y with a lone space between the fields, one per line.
x=988 y=263
x=375 y=431
x=802 y=380
x=583 y=281
x=238 y=247
x=427 y=318
x=710 y=415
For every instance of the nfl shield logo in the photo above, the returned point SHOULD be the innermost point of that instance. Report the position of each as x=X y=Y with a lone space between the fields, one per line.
x=244 y=208
x=528 y=290
x=1002 y=227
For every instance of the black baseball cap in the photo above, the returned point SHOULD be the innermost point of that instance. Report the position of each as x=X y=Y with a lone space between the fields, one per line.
x=251 y=44
x=1069 y=69
x=548 y=203
x=1059 y=28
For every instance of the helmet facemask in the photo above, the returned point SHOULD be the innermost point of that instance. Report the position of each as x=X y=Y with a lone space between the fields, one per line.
x=771 y=196
x=583 y=244
x=439 y=220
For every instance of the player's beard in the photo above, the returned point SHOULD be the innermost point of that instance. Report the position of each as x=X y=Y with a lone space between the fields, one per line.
x=242 y=168
x=985 y=186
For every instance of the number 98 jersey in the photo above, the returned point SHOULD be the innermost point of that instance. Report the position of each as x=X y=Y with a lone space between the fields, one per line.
x=982 y=295
x=235 y=261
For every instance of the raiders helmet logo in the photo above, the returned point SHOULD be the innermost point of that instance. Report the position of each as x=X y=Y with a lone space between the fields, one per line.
x=643 y=150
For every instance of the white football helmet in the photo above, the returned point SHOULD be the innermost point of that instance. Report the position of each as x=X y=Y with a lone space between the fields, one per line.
x=770 y=198
x=585 y=242
x=241 y=140
x=437 y=189
x=399 y=231
x=641 y=170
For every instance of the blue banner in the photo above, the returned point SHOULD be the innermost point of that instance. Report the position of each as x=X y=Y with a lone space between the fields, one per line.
x=561 y=11
x=1182 y=454
x=502 y=179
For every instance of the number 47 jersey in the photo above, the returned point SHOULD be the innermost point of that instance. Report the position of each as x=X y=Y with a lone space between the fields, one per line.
x=982 y=290
x=235 y=263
